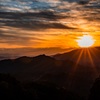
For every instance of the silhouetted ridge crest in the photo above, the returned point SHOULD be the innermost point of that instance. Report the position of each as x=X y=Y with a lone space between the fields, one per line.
x=83 y=56
x=43 y=57
x=24 y=59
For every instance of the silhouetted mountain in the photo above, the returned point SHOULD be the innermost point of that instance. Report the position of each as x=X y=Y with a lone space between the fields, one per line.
x=34 y=68
x=85 y=56
x=75 y=70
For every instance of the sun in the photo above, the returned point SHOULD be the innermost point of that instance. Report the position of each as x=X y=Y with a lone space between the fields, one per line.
x=85 y=41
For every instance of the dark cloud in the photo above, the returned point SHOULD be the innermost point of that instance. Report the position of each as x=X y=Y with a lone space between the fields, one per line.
x=36 y=25
x=33 y=21
x=30 y=16
x=78 y=1
x=70 y=0
x=83 y=2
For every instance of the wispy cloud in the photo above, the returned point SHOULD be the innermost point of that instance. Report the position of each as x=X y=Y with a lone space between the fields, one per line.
x=27 y=22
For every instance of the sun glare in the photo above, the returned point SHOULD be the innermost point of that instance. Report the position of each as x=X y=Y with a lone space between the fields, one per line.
x=85 y=41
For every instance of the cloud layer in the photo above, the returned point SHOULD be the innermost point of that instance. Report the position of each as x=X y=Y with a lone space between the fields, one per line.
x=37 y=22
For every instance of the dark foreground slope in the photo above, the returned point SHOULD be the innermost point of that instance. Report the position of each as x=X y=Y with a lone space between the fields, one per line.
x=12 y=89
x=64 y=70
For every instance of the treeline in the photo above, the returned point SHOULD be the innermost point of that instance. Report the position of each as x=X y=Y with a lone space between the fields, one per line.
x=12 y=89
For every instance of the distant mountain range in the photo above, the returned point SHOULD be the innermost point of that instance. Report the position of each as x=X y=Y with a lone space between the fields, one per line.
x=12 y=53
x=75 y=70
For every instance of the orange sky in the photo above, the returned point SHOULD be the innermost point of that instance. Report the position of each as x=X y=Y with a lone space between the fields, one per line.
x=47 y=24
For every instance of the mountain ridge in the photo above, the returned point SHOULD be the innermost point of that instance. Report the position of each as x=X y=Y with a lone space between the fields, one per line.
x=66 y=72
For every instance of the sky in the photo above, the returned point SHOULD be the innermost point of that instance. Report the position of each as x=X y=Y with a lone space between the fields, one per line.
x=48 y=23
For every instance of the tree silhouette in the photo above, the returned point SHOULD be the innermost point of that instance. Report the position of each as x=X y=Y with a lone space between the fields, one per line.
x=95 y=90
x=12 y=89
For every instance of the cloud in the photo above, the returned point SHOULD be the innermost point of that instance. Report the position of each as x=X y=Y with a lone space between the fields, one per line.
x=22 y=20
x=34 y=21
x=83 y=2
x=12 y=36
x=48 y=13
